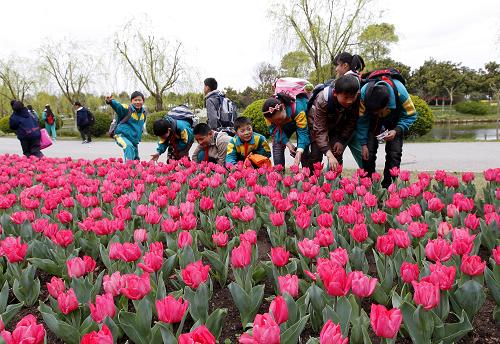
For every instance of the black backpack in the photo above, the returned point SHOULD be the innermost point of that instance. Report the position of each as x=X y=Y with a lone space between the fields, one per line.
x=387 y=75
x=90 y=117
x=330 y=84
x=183 y=113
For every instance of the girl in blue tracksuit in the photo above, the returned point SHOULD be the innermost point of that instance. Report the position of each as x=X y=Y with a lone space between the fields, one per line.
x=130 y=119
x=285 y=117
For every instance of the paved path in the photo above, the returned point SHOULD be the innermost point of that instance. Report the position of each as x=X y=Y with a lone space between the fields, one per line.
x=451 y=156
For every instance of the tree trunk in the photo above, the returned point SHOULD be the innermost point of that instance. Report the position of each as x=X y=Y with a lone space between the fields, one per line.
x=159 y=102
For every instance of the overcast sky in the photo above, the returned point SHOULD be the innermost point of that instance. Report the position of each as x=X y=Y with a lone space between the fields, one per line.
x=226 y=39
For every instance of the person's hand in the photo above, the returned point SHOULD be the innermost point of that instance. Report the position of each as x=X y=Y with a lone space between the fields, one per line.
x=108 y=99
x=292 y=148
x=155 y=157
x=391 y=135
x=338 y=148
x=364 y=152
x=298 y=157
x=332 y=161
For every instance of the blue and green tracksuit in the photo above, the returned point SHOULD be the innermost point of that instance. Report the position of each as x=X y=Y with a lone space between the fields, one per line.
x=181 y=141
x=399 y=116
x=51 y=128
x=296 y=122
x=238 y=150
x=129 y=134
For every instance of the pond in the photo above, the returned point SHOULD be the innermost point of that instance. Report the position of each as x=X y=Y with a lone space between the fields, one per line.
x=470 y=131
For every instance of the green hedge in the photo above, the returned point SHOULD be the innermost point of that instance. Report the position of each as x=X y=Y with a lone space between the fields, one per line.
x=102 y=122
x=473 y=108
x=254 y=112
x=151 y=118
x=4 y=125
x=425 y=118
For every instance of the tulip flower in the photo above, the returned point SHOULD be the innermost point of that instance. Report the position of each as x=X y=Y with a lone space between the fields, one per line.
x=332 y=334
x=67 y=301
x=241 y=256
x=362 y=285
x=279 y=310
x=426 y=294
x=195 y=274
x=104 y=307
x=170 y=310
x=135 y=287
x=472 y=265
x=385 y=323
x=289 y=284
x=201 y=335
x=104 y=336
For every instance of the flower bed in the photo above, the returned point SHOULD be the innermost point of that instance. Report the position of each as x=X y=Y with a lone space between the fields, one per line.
x=104 y=252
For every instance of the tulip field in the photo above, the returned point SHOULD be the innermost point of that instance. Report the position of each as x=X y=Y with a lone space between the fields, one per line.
x=140 y=252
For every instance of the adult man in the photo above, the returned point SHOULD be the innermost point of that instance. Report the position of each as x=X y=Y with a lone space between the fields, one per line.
x=212 y=145
x=84 y=121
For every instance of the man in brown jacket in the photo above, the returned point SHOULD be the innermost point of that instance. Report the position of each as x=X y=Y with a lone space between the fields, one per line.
x=212 y=145
x=332 y=120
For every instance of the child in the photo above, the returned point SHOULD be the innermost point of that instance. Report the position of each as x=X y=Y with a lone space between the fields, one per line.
x=246 y=142
x=284 y=117
x=384 y=106
x=332 y=120
x=174 y=133
x=347 y=64
x=212 y=145
x=50 y=121
x=130 y=123
x=27 y=129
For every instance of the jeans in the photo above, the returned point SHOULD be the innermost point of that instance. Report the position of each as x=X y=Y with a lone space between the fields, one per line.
x=393 y=153
x=130 y=151
x=85 y=133
x=31 y=146
x=51 y=130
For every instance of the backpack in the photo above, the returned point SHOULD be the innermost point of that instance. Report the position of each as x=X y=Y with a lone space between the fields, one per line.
x=227 y=112
x=387 y=75
x=293 y=87
x=50 y=118
x=228 y=130
x=328 y=86
x=183 y=113
x=90 y=117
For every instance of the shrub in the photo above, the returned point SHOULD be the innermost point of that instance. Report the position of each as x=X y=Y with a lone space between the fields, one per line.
x=151 y=118
x=4 y=125
x=425 y=118
x=473 y=108
x=59 y=122
x=102 y=122
x=254 y=112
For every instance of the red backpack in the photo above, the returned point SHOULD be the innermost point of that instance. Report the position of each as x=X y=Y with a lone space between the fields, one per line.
x=50 y=118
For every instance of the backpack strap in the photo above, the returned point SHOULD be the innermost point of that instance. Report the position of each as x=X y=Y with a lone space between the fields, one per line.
x=328 y=94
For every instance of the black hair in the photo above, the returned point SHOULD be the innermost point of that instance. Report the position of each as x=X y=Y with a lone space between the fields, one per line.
x=241 y=121
x=271 y=103
x=376 y=97
x=161 y=126
x=16 y=105
x=211 y=83
x=78 y=104
x=136 y=94
x=48 y=110
x=355 y=62
x=30 y=107
x=347 y=84
x=202 y=129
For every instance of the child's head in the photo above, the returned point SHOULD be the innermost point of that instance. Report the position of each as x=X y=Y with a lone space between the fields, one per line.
x=16 y=105
x=30 y=107
x=77 y=105
x=345 y=62
x=347 y=90
x=162 y=128
x=274 y=108
x=210 y=84
x=203 y=134
x=376 y=99
x=137 y=99
x=243 y=127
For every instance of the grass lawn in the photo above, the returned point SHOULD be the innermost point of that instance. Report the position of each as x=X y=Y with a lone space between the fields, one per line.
x=449 y=113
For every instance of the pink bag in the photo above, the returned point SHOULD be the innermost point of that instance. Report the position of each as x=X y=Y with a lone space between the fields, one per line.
x=290 y=86
x=45 y=140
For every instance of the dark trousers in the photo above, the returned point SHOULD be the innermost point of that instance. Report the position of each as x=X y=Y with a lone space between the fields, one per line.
x=31 y=146
x=85 y=133
x=313 y=155
x=393 y=153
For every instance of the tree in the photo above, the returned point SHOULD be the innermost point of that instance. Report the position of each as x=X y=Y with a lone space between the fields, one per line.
x=375 y=41
x=265 y=76
x=491 y=78
x=323 y=28
x=296 y=64
x=405 y=70
x=155 y=62
x=69 y=66
x=17 y=78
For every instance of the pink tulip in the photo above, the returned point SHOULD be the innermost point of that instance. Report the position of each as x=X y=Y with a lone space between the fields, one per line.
x=135 y=287
x=241 y=256
x=409 y=272
x=289 y=284
x=472 y=265
x=308 y=248
x=170 y=310
x=426 y=294
x=104 y=307
x=279 y=256
x=279 y=310
x=195 y=274
x=67 y=301
x=385 y=323
x=332 y=334
x=361 y=285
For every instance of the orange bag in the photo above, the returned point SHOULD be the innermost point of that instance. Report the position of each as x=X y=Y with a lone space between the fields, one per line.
x=258 y=160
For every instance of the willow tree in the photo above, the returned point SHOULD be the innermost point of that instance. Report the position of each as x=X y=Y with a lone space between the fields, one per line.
x=154 y=61
x=17 y=78
x=322 y=28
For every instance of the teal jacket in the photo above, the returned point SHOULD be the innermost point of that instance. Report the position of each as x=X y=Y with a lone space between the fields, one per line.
x=131 y=129
x=44 y=117
x=238 y=150
x=183 y=138
x=391 y=119
x=295 y=123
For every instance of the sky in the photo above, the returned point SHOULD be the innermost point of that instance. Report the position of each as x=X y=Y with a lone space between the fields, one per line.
x=227 y=39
